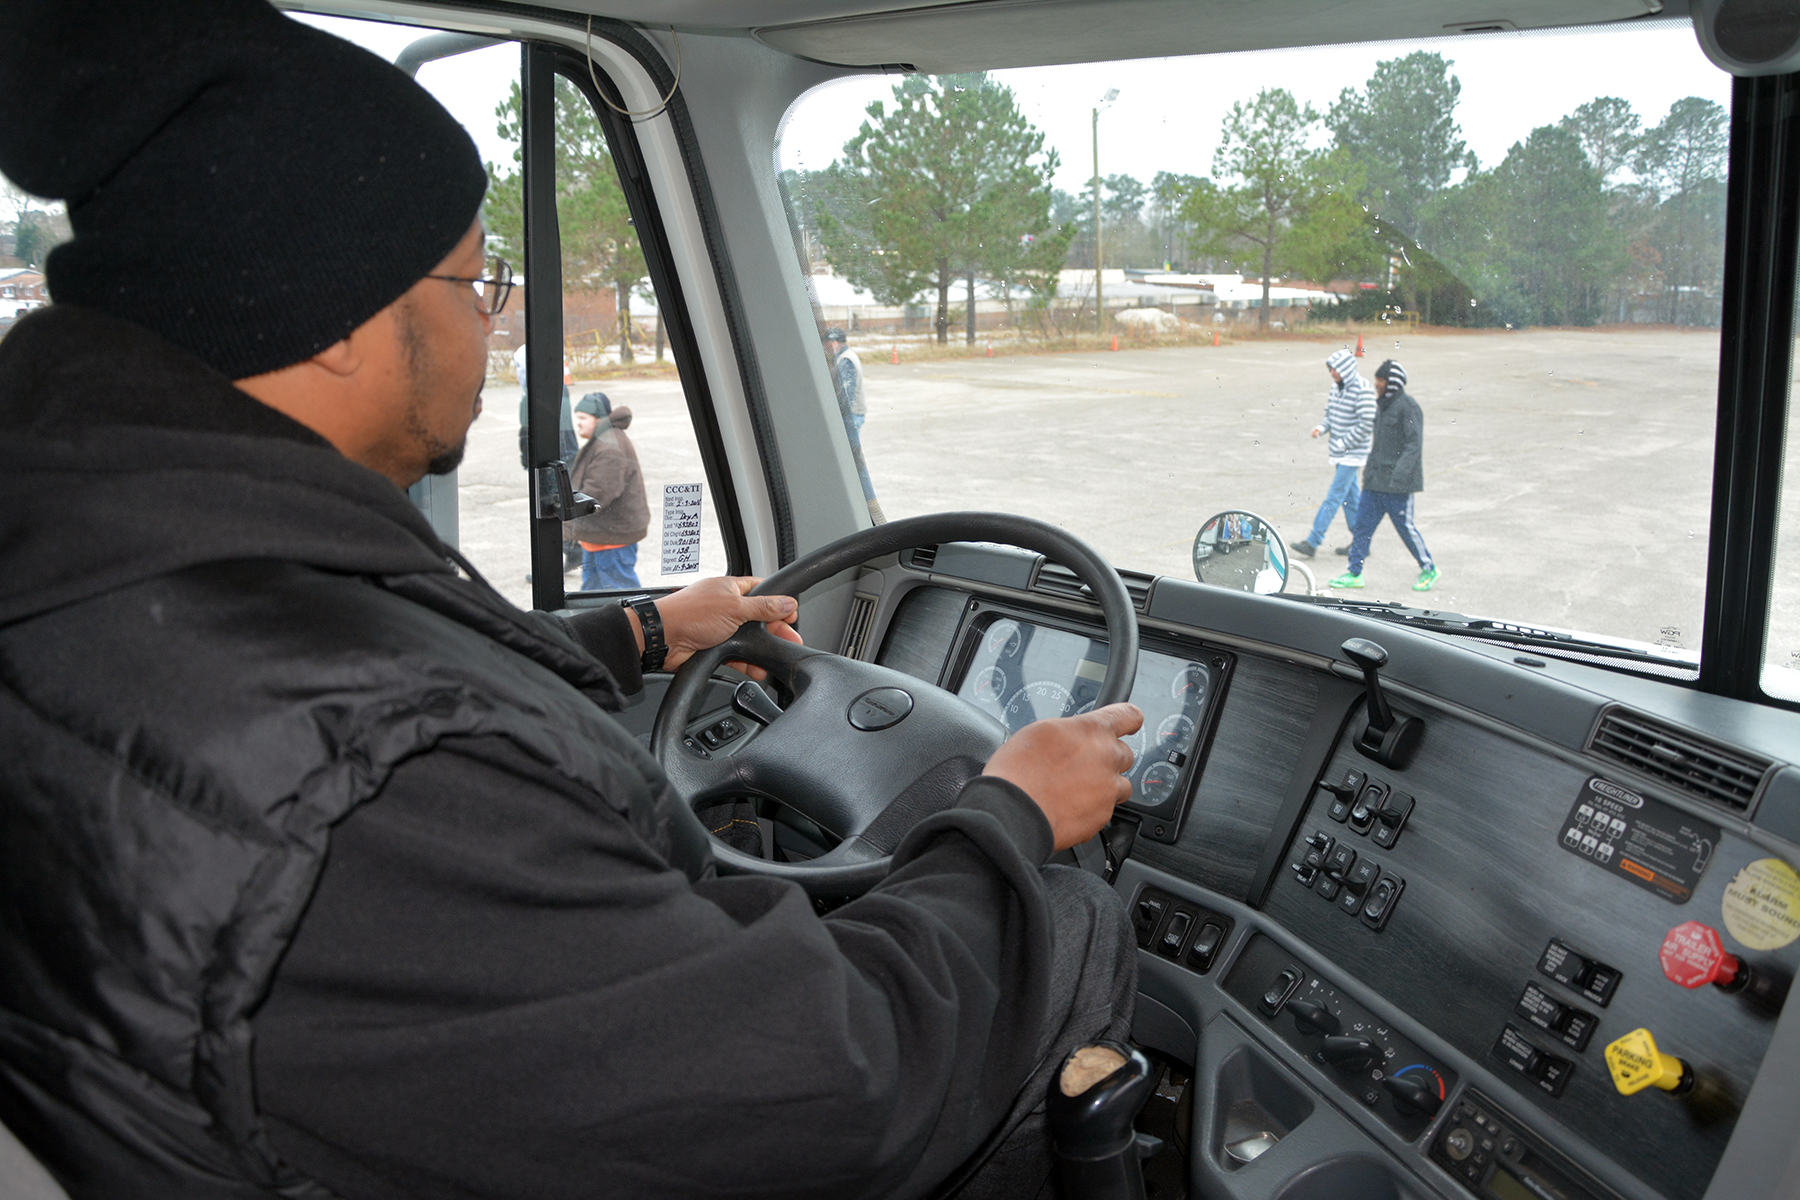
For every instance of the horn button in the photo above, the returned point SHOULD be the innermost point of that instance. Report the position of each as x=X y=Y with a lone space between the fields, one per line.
x=880 y=708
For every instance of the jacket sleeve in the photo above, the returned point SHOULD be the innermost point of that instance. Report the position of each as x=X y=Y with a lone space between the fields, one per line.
x=605 y=633
x=499 y=991
x=1412 y=446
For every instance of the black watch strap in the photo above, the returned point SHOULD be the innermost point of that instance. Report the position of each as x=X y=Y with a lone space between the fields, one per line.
x=656 y=649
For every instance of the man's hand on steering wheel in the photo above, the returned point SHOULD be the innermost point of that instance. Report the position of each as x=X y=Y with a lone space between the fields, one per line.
x=703 y=614
x=1073 y=767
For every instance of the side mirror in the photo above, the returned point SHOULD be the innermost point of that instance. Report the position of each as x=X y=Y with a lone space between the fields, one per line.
x=1241 y=551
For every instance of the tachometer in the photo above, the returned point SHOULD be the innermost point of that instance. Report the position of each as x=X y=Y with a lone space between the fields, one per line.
x=1158 y=783
x=1189 y=684
x=1175 y=733
x=1036 y=702
x=1002 y=639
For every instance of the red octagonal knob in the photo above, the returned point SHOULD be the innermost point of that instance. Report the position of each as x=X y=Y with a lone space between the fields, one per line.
x=1693 y=956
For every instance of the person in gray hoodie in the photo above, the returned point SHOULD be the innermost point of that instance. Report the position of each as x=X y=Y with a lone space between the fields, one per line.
x=1350 y=421
x=1395 y=470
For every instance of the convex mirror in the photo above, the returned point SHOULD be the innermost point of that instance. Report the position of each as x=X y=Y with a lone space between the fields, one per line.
x=1241 y=551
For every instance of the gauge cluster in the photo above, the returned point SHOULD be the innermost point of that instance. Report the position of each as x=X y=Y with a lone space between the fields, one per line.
x=1021 y=669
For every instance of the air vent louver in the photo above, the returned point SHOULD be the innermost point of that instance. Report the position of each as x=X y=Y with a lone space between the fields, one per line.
x=1057 y=580
x=923 y=558
x=1680 y=759
x=856 y=629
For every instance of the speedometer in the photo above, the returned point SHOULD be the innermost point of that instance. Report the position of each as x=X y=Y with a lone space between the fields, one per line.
x=1036 y=701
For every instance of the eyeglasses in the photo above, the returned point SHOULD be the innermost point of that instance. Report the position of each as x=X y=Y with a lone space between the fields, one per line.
x=492 y=288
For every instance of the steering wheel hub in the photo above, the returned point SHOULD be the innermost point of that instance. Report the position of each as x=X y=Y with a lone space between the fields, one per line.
x=880 y=708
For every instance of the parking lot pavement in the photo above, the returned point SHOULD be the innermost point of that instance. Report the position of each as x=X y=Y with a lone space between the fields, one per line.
x=1567 y=473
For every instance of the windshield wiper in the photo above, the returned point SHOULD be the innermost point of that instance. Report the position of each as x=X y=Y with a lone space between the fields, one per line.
x=1486 y=629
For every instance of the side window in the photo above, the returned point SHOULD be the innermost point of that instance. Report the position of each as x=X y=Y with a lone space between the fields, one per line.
x=29 y=229
x=625 y=426
x=1781 y=648
x=655 y=524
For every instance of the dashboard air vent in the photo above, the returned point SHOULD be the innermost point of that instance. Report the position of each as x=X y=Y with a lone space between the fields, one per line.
x=922 y=557
x=1056 y=580
x=856 y=629
x=1680 y=759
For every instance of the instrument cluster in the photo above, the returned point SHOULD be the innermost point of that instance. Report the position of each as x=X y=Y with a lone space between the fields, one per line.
x=1023 y=670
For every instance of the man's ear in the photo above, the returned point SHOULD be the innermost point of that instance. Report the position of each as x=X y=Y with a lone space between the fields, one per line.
x=341 y=358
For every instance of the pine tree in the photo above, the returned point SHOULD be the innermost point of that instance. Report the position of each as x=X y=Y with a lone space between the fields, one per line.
x=951 y=183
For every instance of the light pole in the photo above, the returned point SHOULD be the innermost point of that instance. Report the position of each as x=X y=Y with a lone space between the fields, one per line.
x=1099 y=307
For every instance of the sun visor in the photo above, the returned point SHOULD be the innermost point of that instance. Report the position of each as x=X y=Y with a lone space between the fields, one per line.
x=992 y=34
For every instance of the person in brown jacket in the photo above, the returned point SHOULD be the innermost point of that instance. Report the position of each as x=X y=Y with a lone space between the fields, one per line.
x=607 y=469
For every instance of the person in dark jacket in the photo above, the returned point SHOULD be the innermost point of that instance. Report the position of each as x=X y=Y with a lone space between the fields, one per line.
x=607 y=471
x=1394 y=472
x=328 y=871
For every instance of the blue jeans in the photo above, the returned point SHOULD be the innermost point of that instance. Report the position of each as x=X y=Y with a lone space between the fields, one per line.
x=1398 y=508
x=609 y=570
x=1343 y=493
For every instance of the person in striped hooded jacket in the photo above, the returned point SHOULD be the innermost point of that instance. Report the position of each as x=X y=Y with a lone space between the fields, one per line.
x=1350 y=422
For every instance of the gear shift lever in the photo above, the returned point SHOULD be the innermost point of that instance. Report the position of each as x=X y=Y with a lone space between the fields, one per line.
x=1386 y=738
x=1093 y=1102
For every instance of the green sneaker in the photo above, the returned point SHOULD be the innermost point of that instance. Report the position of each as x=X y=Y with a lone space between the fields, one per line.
x=1347 y=580
x=1427 y=577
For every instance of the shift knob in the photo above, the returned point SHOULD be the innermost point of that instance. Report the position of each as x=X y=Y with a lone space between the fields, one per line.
x=1093 y=1103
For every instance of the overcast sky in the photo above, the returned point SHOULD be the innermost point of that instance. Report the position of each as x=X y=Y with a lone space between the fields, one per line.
x=1168 y=112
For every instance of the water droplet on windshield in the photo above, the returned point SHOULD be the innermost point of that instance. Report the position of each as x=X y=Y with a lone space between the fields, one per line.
x=1690 y=533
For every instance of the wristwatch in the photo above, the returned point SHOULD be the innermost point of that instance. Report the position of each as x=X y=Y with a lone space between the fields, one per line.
x=655 y=648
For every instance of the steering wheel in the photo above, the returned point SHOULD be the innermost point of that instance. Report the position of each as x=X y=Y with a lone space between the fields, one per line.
x=862 y=751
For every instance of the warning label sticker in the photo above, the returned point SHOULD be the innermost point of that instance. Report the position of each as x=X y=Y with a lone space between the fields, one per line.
x=1659 y=848
x=1762 y=905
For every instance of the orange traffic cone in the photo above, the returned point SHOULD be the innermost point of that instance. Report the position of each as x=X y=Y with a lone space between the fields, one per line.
x=1215 y=337
x=990 y=352
x=896 y=356
x=1115 y=341
x=1359 y=352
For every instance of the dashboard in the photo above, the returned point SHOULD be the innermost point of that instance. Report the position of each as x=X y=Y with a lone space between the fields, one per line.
x=1435 y=976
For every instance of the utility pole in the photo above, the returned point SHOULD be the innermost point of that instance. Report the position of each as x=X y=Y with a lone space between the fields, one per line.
x=1099 y=302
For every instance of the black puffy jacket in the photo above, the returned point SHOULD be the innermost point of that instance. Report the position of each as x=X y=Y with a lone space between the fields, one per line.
x=1397 y=454
x=188 y=715
x=223 y=647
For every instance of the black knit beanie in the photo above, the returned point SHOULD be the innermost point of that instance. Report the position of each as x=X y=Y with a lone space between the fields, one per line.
x=243 y=185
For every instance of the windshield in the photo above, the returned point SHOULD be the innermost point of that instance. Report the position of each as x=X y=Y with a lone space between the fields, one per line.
x=1529 y=226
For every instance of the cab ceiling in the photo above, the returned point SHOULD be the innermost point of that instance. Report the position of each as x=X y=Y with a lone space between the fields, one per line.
x=939 y=36
x=989 y=34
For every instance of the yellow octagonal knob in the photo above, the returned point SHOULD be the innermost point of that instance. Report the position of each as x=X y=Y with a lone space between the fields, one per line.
x=1636 y=1064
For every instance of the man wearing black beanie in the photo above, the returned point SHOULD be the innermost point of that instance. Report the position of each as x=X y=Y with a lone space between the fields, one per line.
x=328 y=871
